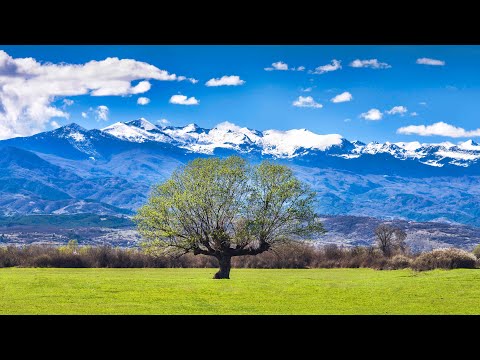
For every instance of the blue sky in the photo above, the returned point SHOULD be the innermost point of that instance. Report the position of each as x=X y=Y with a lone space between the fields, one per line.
x=423 y=94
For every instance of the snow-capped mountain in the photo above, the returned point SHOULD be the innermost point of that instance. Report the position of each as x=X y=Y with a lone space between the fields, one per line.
x=74 y=141
x=291 y=143
x=110 y=171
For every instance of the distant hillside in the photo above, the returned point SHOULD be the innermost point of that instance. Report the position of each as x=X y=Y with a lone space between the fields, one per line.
x=91 y=229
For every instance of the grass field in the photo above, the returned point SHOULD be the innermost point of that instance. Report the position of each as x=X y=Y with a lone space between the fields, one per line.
x=250 y=291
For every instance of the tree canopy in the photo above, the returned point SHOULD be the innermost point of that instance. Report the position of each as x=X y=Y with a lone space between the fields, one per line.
x=225 y=208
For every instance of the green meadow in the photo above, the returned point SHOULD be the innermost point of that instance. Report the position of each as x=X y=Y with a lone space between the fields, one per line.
x=249 y=291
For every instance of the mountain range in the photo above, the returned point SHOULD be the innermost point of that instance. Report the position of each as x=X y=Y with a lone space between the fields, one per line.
x=73 y=170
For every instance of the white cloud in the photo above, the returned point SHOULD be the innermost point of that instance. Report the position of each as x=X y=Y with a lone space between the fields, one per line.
x=347 y=120
x=29 y=87
x=423 y=103
x=397 y=110
x=101 y=113
x=308 y=89
x=414 y=113
x=343 y=97
x=279 y=65
x=227 y=80
x=438 y=129
x=306 y=101
x=371 y=63
x=432 y=62
x=183 y=100
x=84 y=115
x=143 y=100
x=333 y=66
x=54 y=124
x=372 y=114
x=183 y=78
x=163 y=122
x=67 y=102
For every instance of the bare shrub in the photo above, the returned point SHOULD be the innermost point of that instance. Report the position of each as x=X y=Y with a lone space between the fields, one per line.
x=282 y=256
x=291 y=255
x=448 y=258
x=399 y=262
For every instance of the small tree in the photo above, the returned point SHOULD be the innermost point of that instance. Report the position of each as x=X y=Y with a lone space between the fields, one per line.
x=225 y=208
x=476 y=251
x=390 y=238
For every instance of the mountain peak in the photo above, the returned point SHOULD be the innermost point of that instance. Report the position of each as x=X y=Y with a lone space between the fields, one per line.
x=142 y=123
x=469 y=145
x=72 y=127
x=191 y=127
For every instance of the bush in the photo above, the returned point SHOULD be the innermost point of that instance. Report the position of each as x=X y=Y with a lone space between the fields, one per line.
x=399 y=262
x=449 y=258
x=285 y=256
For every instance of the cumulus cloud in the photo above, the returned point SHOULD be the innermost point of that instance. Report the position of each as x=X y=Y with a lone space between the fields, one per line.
x=306 y=101
x=343 y=97
x=372 y=115
x=413 y=113
x=101 y=113
x=308 y=89
x=279 y=65
x=333 y=66
x=438 y=129
x=397 y=110
x=28 y=88
x=371 y=63
x=227 y=80
x=183 y=78
x=183 y=100
x=143 y=100
x=84 y=115
x=432 y=62
x=54 y=124
x=67 y=102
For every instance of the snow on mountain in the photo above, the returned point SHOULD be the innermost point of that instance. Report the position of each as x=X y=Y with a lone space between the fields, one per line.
x=77 y=136
x=137 y=131
x=457 y=155
x=290 y=144
x=469 y=145
x=226 y=135
x=286 y=143
x=142 y=123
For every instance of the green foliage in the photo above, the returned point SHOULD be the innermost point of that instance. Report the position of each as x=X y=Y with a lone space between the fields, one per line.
x=252 y=291
x=476 y=251
x=70 y=248
x=225 y=207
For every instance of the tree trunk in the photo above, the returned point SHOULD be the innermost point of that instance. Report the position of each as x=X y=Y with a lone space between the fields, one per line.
x=225 y=262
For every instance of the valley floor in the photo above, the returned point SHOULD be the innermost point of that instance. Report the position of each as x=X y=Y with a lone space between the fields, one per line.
x=250 y=291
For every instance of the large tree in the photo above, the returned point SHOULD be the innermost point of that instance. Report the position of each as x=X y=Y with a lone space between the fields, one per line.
x=225 y=208
x=390 y=239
